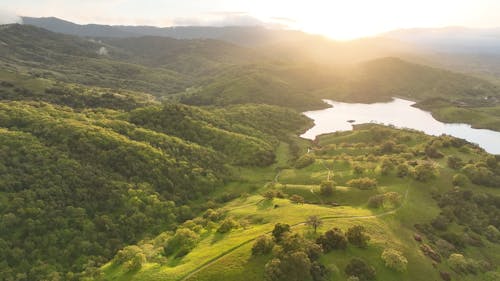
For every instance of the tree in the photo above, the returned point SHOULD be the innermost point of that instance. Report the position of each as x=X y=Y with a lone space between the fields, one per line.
x=183 y=241
x=304 y=161
x=458 y=263
x=279 y=230
x=432 y=151
x=297 y=199
x=459 y=180
x=392 y=198
x=294 y=266
x=227 y=225
x=387 y=147
x=386 y=166
x=455 y=162
x=358 y=170
x=126 y=254
x=394 y=259
x=314 y=222
x=359 y=268
x=403 y=170
x=136 y=262
x=376 y=201
x=332 y=239
x=263 y=245
x=425 y=172
x=319 y=272
x=492 y=233
x=492 y=161
x=356 y=235
x=326 y=188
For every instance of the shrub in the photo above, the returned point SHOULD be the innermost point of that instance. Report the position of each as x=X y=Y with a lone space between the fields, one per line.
x=425 y=172
x=481 y=175
x=403 y=170
x=459 y=180
x=304 y=161
x=458 y=263
x=456 y=239
x=492 y=233
x=213 y=215
x=227 y=225
x=363 y=183
x=326 y=188
x=386 y=167
x=387 y=147
x=319 y=272
x=455 y=162
x=444 y=247
x=440 y=222
x=393 y=199
x=358 y=170
x=136 y=262
x=376 y=201
x=297 y=199
x=269 y=195
x=356 y=235
x=126 y=254
x=360 y=269
x=394 y=259
x=263 y=245
x=432 y=151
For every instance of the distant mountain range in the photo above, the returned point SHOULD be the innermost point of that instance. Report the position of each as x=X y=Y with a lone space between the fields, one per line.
x=451 y=39
x=448 y=39
x=241 y=35
x=467 y=50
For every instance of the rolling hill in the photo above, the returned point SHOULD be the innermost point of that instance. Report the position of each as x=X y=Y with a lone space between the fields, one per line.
x=143 y=157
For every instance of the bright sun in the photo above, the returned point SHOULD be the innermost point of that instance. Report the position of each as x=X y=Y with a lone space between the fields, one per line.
x=344 y=20
x=340 y=20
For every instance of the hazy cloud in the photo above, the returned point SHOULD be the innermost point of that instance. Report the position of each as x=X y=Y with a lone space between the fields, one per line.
x=7 y=17
x=284 y=20
x=221 y=19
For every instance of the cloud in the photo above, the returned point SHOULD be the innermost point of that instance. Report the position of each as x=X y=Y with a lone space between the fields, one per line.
x=284 y=19
x=220 y=19
x=7 y=17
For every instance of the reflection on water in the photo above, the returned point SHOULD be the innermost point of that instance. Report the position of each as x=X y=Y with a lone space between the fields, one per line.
x=399 y=113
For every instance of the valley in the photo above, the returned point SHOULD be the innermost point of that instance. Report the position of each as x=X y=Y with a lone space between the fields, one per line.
x=126 y=154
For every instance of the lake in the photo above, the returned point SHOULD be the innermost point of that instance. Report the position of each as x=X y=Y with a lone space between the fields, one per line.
x=399 y=113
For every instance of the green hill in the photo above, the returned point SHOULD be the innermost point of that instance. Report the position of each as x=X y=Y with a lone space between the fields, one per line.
x=415 y=208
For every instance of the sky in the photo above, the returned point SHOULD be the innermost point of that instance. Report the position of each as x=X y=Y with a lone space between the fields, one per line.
x=337 y=19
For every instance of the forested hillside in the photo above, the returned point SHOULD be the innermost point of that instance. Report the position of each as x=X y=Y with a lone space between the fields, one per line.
x=94 y=181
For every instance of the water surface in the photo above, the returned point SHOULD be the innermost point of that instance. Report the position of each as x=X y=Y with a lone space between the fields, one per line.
x=400 y=113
